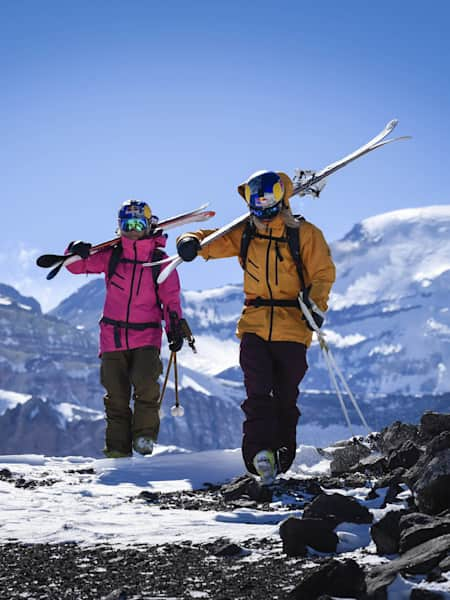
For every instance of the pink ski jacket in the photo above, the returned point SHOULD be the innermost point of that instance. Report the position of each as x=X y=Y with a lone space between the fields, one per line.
x=133 y=309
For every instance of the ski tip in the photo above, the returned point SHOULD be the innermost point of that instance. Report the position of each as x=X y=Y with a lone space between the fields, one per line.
x=392 y=124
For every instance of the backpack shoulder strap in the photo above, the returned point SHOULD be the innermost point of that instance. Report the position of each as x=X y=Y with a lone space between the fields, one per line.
x=114 y=259
x=293 y=238
x=158 y=254
x=247 y=235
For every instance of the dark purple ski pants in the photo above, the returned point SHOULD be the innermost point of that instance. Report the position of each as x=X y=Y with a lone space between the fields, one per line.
x=272 y=374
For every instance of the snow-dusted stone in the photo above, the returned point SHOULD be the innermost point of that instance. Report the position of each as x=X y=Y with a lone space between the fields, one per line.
x=342 y=508
x=416 y=528
x=337 y=578
x=386 y=532
x=432 y=424
x=394 y=436
x=406 y=456
x=347 y=456
x=298 y=533
x=417 y=561
x=374 y=464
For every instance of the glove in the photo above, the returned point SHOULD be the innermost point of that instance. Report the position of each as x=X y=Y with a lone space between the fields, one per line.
x=175 y=334
x=188 y=248
x=80 y=248
x=317 y=315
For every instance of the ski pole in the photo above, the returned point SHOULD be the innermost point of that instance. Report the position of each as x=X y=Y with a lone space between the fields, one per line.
x=177 y=410
x=169 y=364
x=333 y=368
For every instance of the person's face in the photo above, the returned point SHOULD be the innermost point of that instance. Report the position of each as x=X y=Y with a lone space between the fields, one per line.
x=133 y=234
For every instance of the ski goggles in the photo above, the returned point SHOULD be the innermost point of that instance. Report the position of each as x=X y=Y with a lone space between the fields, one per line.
x=264 y=191
x=133 y=224
x=266 y=214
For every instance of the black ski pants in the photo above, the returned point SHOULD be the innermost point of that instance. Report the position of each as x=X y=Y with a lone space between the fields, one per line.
x=272 y=374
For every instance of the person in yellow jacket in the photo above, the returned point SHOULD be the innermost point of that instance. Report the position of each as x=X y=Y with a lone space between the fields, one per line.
x=274 y=335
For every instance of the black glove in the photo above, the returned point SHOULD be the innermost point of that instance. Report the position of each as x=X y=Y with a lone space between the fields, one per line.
x=175 y=334
x=188 y=248
x=317 y=315
x=80 y=248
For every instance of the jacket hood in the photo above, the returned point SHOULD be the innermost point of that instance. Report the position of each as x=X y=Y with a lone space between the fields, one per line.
x=287 y=182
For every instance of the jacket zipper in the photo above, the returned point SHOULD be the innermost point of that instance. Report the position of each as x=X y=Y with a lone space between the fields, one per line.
x=131 y=293
x=139 y=282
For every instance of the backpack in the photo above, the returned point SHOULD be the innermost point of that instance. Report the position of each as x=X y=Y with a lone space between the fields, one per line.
x=292 y=238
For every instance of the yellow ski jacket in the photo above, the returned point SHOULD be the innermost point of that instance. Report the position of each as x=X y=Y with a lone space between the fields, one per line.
x=271 y=274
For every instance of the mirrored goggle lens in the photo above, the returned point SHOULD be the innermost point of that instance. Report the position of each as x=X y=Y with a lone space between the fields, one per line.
x=133 y=224
x=266 y=213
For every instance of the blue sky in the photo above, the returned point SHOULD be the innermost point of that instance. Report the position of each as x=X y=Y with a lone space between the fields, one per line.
x=176 y=103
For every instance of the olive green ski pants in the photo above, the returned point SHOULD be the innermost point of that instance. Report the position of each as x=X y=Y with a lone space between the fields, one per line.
x=123 y=372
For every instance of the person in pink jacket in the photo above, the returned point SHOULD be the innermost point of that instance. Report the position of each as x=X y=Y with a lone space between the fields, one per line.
x=131 y=328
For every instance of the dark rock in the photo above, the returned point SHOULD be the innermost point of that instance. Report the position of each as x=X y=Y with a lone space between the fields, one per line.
x=299 y=533
x=406 y=456
x=432 y=489
x=421 y=594
x=229 y=550
x=432 y=424
x=246 y=488
x=393 y=478
x=391 y=495
x=386 y=532
x=417 y=561
x=347 y=456
x=148 y=496
x=5 y=475
x=237 y=488
x=394 y=436
x=337 y=578
x=416 y=528
x=343 y=508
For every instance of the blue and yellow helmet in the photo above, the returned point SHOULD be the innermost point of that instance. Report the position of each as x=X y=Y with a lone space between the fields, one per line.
x=135 y=215
x=264 y=192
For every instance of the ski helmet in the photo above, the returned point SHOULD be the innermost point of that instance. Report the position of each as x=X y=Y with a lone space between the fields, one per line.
x=264 y=192
x=135 y=215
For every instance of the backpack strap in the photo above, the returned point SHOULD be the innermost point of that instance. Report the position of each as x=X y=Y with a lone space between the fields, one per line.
x=158 y=254
x=293 y=238
x=114 y=259
x=247 y=235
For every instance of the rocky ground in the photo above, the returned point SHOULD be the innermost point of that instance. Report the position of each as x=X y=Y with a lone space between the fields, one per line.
x=406 y=467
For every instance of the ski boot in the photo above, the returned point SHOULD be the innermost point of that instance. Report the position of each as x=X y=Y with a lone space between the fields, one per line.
x=143 y=445
x=266 y=466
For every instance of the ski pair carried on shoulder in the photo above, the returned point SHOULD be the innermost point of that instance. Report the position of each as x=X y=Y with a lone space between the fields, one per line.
x=305 y=182
x=56 y=261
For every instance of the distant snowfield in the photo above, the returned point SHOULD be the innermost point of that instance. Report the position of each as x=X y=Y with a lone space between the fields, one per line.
x=96 y=508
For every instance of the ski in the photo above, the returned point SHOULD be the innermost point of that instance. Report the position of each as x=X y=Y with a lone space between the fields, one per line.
x=58 y=260
x=376 y=142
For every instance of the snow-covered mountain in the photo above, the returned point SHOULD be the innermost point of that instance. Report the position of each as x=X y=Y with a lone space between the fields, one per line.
x=388 y=327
